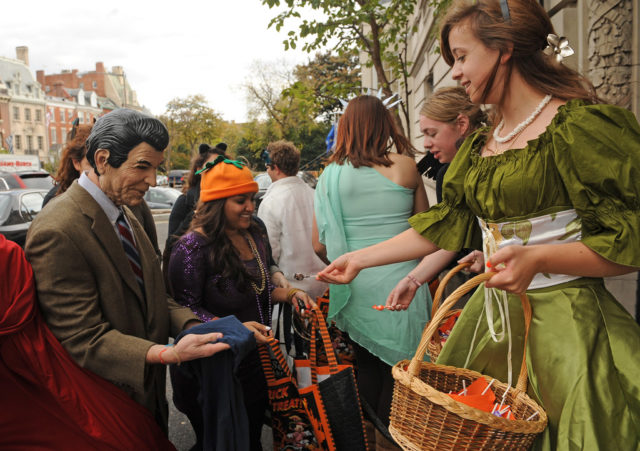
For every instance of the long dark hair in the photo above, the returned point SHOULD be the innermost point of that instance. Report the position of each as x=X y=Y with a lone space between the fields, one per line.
x=197 y=162
x=223 y=257
x=366 y=133
x=75 y=149
x=526 y=31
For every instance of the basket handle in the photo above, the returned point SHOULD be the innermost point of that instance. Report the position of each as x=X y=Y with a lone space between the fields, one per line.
x=432 y=326
x=443 y=283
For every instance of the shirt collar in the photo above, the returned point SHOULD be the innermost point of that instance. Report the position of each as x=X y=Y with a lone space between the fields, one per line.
x=110 y=209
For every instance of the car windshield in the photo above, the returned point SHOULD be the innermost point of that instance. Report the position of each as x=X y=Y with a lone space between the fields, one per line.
x=263 y=181
x=44 y=181
x=31 y=204
x=163 y=195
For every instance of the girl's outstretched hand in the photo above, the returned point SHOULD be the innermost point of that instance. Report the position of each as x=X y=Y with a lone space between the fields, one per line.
x=402 y=294
x=515 y=267
x=342 y=270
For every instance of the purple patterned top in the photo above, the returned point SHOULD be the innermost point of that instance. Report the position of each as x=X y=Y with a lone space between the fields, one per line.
x=196 y=286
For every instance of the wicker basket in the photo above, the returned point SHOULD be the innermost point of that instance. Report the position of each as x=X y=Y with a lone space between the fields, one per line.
x=424 y=417
x=434 y=345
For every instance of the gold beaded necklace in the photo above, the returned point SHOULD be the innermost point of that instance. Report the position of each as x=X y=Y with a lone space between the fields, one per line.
x=263 y=272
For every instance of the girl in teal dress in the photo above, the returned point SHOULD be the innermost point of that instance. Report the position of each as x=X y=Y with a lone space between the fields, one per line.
x=555 y=188
x=365 y=196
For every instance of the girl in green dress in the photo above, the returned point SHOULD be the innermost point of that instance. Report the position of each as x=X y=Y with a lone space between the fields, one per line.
x=555 y=189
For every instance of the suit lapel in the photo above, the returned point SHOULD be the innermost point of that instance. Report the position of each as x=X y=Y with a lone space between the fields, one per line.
x=106 y=235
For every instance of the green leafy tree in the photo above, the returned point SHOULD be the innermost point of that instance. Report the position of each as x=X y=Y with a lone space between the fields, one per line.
x=190 y=121
x=380 y=28
x=325 y=80
x=287 y=104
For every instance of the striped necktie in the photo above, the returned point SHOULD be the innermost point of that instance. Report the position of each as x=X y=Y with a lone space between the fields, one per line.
x=126 y=237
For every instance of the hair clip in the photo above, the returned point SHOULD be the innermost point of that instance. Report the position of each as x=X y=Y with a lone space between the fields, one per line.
x=220 y=159
x=558 y=46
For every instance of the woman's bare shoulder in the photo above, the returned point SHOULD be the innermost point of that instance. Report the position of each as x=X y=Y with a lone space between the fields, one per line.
x=404 y=161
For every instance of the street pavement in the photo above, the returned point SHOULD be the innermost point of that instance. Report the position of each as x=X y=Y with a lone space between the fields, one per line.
x=180 y=431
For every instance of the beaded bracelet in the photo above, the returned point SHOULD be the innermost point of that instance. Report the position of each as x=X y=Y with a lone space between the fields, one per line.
x=291 y=293
x=414 y=280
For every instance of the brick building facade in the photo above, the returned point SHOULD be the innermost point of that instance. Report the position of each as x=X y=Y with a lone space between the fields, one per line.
x=112 y=85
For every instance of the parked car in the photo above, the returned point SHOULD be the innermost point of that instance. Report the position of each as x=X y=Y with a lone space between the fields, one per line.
x=162 y=180
x=18 y=207
x=25 y=179
x=159 y=197
x=264 y=181
x=177 y=177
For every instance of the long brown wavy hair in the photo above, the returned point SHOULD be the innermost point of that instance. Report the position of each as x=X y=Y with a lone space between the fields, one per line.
x=224 y=259
x=526 y=32
x=74 y=149
x=366 y=134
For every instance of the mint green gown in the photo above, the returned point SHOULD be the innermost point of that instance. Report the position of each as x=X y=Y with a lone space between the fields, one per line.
x=582 y=355
x=356 y=208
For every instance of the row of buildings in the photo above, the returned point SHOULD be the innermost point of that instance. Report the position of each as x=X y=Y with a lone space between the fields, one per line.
x=37 y=112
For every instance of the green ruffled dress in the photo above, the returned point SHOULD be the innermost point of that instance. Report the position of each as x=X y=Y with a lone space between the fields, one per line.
x=582 y=355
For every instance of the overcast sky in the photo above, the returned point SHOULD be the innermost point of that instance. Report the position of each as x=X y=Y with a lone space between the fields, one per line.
x=168 y=49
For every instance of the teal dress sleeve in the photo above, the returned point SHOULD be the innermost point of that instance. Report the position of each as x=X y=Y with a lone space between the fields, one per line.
x=328 y=211
x=597 y=152
x=451 y=225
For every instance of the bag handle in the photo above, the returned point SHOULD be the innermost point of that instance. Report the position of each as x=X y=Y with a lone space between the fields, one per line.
x=273 y=348
x=443 y=284
x=319 y=327
x=432 y=326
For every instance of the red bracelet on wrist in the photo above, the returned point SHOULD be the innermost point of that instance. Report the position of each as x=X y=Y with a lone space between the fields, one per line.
x=160 y=356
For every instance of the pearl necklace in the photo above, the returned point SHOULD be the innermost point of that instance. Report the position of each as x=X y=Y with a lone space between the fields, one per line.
x=522 y=125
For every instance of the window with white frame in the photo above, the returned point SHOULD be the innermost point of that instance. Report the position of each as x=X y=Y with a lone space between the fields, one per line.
x=27 y=114
x=40 y=142
x=38 y=115
x=18 y=142
x=16 y=113
x=29 y=142
x=53 y=136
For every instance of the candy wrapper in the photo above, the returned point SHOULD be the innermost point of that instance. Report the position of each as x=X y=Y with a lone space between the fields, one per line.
x=480 y=396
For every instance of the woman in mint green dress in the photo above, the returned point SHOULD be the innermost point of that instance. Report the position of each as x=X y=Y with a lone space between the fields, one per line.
x=555 y=188
x=364 y=196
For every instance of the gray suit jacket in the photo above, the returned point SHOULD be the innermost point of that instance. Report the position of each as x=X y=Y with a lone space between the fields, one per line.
x=91 y=300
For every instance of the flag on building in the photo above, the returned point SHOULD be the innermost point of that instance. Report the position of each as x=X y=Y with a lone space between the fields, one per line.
x=331 y=138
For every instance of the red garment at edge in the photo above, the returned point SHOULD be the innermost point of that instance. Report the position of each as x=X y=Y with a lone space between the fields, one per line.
x=46 y=400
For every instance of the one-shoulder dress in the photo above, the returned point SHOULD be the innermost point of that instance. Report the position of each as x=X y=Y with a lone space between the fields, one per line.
x=579 y=180
x=356 y=208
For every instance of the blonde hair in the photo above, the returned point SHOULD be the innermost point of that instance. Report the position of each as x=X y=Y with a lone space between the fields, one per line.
x=445 y=104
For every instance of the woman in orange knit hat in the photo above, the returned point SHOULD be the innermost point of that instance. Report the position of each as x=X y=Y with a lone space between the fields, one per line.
x=219 y=268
